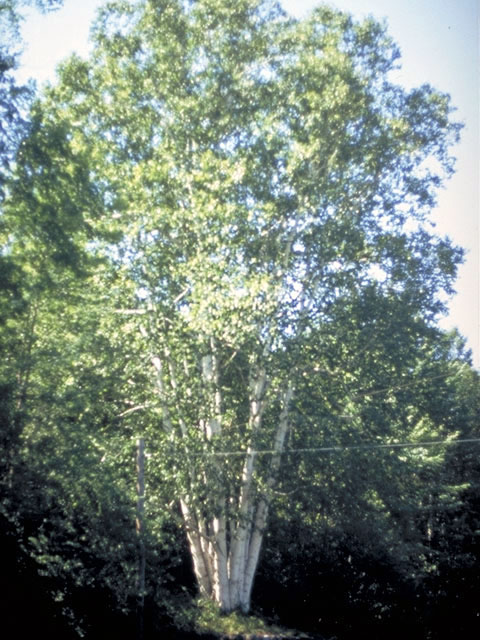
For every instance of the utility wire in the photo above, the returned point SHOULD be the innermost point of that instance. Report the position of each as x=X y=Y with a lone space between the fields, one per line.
x=393 y=445
x=360 y=393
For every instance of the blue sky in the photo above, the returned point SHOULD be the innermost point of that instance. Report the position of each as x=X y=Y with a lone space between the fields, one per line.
x=439 y=42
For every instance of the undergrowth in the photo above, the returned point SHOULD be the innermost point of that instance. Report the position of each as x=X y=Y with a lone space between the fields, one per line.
x=205 y=617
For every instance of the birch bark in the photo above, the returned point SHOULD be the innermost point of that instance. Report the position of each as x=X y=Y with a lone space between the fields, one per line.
x=259 y=525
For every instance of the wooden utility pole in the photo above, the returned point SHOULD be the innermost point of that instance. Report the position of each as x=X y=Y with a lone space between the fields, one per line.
x=139 y=525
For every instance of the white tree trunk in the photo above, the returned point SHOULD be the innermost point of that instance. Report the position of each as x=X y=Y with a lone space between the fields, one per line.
x=221 y=585
x=225 y=544
x=226 y=553
x=260 y=523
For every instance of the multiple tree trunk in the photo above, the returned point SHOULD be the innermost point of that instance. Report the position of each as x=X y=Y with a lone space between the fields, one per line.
x=225 y=538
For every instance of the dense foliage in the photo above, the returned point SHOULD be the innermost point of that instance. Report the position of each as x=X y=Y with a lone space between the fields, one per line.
x=215 y=235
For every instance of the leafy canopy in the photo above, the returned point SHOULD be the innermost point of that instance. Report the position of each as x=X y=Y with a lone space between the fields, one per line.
x=248 y=197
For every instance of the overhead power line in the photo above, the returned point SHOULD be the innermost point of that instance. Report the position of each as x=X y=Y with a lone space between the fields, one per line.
x=339 y=448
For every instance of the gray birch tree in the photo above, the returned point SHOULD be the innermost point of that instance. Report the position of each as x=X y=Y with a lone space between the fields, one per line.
x=258 y=175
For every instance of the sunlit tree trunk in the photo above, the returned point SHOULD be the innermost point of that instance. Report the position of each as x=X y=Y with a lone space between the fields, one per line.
x=225 y=547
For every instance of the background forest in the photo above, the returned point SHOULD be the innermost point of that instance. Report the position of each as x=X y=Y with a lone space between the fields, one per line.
x=215 y=236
